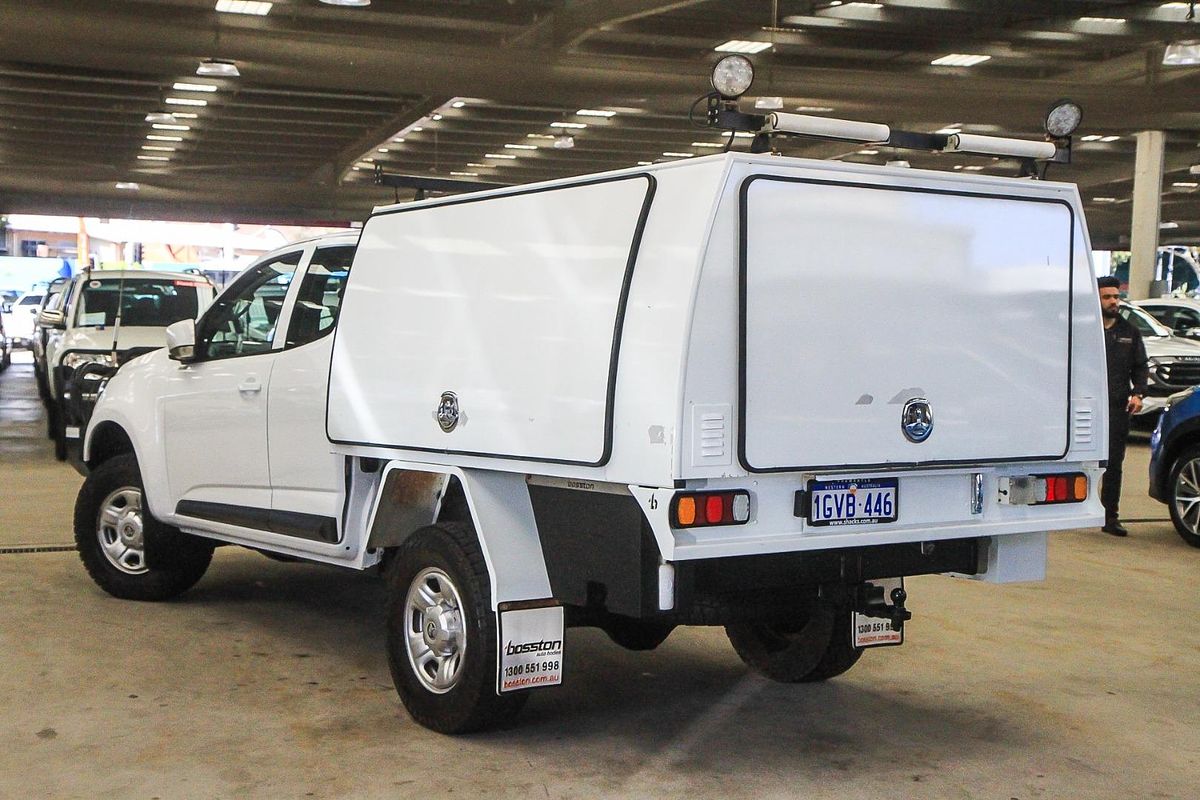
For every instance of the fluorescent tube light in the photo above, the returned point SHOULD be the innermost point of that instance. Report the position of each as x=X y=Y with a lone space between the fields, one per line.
x=185 y=101
x=383 y=150
x=153 y=158
x=1168 y=226
x=868 y=152
x=571 y=125
x=130 y=185
x=520 y=147
x=539 y=136
x=713 y=145
x=1104 y=199
x=465 y=174
x=505 y=156
x=160 y=127
x=260 y=9
x=595 y=112
x=156 y=138
x=1107 y=139
x=348 y=3
x=213 y=68
x=678 y=155
x=160 y=116
x=1104 y=20
x=948 y=131
x=815 y=109
x=959 y=60
x=156 y=147
x=457 y=104
x=193 y=87
x=742 y=46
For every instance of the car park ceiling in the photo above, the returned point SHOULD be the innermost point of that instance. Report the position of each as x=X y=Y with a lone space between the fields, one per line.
x=324 y=88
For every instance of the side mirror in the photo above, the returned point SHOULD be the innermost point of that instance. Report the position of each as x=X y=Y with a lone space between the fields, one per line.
x=52 y=319
x=6 y=308
x=181 y=341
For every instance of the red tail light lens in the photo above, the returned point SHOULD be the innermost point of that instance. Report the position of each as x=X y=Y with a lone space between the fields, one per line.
x=1069 y=487
x=702 y=509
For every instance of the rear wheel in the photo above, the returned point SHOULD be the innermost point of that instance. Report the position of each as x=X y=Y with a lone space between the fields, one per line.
x=129 y=553
x=815 y=647
x=441 y=636
x=1184 y=501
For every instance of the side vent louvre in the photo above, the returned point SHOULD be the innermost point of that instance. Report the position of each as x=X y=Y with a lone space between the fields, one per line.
x=710 y=436
x=1084 y=435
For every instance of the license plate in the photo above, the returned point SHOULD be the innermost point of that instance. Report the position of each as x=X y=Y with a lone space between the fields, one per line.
x=853 y=502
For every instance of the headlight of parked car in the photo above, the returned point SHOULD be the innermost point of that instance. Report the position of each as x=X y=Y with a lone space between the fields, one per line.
x=76 y=360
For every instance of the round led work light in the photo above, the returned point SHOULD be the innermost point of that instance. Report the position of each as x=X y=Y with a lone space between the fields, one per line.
x=732 y=76
x=1063 y=118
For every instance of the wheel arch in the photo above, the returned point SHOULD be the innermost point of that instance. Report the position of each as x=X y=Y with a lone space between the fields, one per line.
x=1186 y=438
x=107 y=440
x=414 y=495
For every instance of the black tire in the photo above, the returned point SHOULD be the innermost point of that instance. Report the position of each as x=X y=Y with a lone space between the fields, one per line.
x=58 y=434
x=1182 y=487
x=637 y=634
x=169 y=561
x=814 y=648
x=51 y=419
x=447 y=559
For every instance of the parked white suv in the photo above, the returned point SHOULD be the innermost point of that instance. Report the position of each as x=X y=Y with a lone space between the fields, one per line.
x=107 y=318
x=631 y=401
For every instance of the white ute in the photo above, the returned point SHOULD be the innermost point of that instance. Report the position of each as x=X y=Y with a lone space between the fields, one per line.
x=737 y=390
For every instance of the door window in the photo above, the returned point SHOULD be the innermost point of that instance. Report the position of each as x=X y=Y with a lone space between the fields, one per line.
x=242 y=321
x=320 y=295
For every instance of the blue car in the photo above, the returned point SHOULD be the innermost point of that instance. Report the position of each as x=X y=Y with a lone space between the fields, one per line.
x=1175 y=463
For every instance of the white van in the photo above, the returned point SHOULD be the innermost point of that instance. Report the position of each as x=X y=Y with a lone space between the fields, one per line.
x=107 y=318
x=737 y=390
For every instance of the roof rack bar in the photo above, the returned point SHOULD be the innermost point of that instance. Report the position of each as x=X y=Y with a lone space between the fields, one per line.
x=425 y=184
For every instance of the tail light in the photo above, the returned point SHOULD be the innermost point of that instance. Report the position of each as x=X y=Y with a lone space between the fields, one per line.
x=1044 y=490
x=704 y=509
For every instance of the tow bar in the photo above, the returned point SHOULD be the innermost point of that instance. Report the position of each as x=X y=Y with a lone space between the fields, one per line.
x=873 y=602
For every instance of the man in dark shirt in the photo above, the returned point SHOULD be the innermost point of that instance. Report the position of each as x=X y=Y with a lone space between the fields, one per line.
x=1127 y=373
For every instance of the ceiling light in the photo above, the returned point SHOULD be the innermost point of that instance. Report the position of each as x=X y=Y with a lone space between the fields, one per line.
x=1175 y=6
x=416 y=129
x=1194 y=169
x=959 y=60
x=130 y=185
x=1104 y=20
x=902 y=163
x=863 y=5
x=156 y=138
x=815 y=109
x=1091 y=137
x=436 y=117
x=1107 y=139
x=973 y=168
x=742 y=46
x=1186 y=185
x=948 y=131
x=1168 y=226
x=356 y=169
x=595 y=112
x=244 y=7
x=383 y=150
x=769 y=103
x=500 y=155
x=473 y=164
x=958 y=166
x=520 y=147
x=213 y=68
x=156 y=147
x=868 y=152
x=369 y=160
x=743 y=135
x=153 y=158
x=185 y=101
x=571 y=125
x=1182 y=54
x=348 y=3
x=645 y=163
x=679 y=155
x=1104 y=199
x=564 y=142
x=539 y=136
x=398 y=139
x=714 y=145
x=465 y=174
x=160 y=116
x=193 y=87
x=183 y=115
x=161 y=127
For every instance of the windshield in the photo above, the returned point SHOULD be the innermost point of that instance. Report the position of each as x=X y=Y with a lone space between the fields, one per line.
x=30 y=300
x=1146 y=324
x=147 y=302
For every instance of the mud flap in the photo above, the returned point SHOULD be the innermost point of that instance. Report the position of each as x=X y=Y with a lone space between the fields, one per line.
x=530 y=648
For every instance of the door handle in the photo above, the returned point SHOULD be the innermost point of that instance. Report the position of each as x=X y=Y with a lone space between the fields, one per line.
x=249 y=386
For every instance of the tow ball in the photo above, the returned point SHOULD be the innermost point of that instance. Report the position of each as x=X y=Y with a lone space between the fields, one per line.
x=873 y=602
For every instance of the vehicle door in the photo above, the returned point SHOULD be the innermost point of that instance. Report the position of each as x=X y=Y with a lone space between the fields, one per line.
x=214 y=412
x=306 y=478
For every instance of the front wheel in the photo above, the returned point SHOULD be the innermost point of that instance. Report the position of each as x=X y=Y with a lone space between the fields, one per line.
x=1184 y=500
x=441 y=636
x=815 y=647
x=129 y=553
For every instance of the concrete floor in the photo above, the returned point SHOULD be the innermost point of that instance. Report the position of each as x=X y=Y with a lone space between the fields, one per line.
x=269 y=680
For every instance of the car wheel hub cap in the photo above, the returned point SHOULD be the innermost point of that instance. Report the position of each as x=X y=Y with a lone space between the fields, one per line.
x=436 y=634
x=120 y=530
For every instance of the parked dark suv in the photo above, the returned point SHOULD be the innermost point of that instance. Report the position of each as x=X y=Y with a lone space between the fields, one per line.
x=1175 y=463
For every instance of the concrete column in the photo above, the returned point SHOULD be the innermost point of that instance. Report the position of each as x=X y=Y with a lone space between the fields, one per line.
x=1147 y=207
